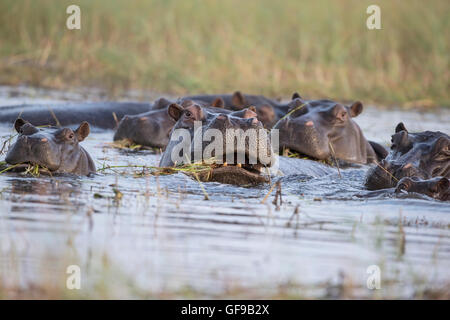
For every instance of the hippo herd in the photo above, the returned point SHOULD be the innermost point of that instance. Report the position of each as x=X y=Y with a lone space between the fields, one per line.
x=323 y=131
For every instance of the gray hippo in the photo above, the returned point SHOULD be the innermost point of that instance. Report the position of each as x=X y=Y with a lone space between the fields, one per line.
x=99 y=114
x=437 y=188
x=321 y=129
x=152 y=128
x=267 y=110
x=228 y=167
x=423 y=155
x=56 y=149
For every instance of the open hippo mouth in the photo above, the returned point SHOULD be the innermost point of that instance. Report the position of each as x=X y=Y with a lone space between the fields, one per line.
x=235 y=173
x=235 y=145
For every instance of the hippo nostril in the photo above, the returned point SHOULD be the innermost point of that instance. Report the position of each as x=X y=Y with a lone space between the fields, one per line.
x=221 y=117
x=309 y=123
x=407 y=166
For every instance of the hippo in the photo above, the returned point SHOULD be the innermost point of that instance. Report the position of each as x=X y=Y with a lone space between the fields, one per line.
x=149 y=129
x=437 y=187
x=56 y=149
x=233 y=166
x=153 y=128
x=325 y=129
x=423 y=154
x=268 y=110
x=99 y=114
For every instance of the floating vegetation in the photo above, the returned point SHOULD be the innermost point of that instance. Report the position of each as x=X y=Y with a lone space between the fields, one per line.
x=127 y=144
x=34 y=170
x=292 y=154
x=196 y=167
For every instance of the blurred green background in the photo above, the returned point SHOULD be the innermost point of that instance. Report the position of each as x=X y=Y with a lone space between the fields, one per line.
x=319 y=48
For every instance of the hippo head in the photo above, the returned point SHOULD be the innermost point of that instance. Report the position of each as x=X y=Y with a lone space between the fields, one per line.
x=151 y=129
x=423 y=155
x=56 y=149
x=237 y=142
x=437 y=187
x=321 y=129
x=265 y=112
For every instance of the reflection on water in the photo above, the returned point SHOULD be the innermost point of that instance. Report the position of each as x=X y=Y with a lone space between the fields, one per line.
x=161 y=235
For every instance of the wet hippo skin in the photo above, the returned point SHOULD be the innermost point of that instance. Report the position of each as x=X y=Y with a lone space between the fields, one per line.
x=153 y=128
x=98 y=114
x=324 y=129
x=232 y=172
x=56 y=149
x=265 y=107
x=411 y=187
x=437 y=188
x=423 y=155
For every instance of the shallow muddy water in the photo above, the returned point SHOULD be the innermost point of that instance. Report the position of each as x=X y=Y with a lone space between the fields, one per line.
x=149 y=236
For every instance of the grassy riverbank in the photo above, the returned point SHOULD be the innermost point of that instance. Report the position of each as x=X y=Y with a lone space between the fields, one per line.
x=319 y=48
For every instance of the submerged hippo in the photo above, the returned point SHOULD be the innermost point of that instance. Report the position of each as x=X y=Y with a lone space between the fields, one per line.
x=266 y=109
x=153 y=128
x=423 y=154
x=56 y=149
x=324 y=129
x=437 y=188
x=99 y=114
x=235 y=163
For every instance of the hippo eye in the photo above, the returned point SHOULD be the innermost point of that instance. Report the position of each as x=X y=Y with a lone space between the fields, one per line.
x=188 y=114
x=71 y=135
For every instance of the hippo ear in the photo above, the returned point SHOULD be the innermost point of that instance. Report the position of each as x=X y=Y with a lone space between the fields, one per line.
x=356 y=109
x=19 y=123
x=295 y=96
x=400 y=127
x=161 y=103
x=252 y=108
x=218 y=103
x=297 y=102
x=175 y=111
x=238 y=99
x=443 y=184
x=83 y=131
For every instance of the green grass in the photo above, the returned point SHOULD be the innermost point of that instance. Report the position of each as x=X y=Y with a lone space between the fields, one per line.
x=319 y=48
